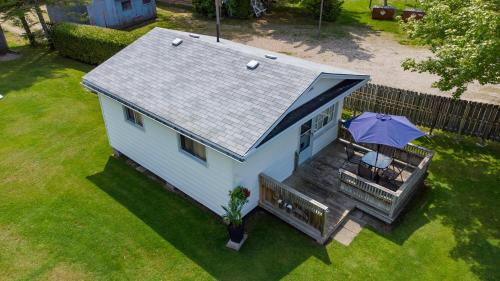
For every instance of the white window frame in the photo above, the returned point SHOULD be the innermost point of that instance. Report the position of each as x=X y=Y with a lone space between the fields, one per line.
x=329 y=114
x=192 y=154
x=133 y=117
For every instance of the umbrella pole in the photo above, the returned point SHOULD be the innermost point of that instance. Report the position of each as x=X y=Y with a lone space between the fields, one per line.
x=376 y=160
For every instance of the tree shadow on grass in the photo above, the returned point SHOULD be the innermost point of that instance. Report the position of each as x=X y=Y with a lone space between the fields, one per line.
x=34 y=65
x=302 y=34
x=465 y=183
x=272 y=250
x=463 y=196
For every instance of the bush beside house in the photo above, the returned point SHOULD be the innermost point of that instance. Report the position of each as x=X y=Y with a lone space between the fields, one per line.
x=89 y=44
x=331 y=8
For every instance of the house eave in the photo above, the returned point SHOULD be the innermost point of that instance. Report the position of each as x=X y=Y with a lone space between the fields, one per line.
x=96 y=89
x=364 y=79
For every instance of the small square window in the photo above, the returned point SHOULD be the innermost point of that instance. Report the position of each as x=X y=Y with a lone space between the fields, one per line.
x=133 y=116
x=146 y=2
x=126 y=5
x=193 y=147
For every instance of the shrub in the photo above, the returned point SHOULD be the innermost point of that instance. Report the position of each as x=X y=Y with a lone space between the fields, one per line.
x=204 y=7
x=331 y=8
x=239 y=8
x=89 y=44
x=238 y=197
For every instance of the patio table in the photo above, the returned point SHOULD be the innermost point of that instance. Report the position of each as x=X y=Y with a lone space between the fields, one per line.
x=382 y=162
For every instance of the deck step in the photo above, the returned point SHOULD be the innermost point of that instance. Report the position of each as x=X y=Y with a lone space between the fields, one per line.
x=337 y=222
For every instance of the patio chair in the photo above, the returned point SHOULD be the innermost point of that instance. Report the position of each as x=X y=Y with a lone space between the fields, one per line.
x=404 y=157
x=388 y=178
x=351 y=155
x=365 y=171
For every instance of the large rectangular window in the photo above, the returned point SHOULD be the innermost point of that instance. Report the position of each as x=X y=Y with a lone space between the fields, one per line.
x=324 y=118
x=193 y=147
x=133 y=116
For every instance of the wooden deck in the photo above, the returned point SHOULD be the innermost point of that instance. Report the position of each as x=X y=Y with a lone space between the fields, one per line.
x=329 y=185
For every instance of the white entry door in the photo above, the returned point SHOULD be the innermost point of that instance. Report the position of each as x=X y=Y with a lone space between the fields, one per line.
x=305 y=145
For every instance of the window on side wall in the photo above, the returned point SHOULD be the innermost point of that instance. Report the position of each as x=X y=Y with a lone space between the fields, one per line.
x=324 y=118
x=133 y=116
x=146 y=2
x=194 y=148
x=126 y=5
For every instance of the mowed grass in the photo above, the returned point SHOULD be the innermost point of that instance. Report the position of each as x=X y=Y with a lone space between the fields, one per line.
x=69 y=211
x=286 y=18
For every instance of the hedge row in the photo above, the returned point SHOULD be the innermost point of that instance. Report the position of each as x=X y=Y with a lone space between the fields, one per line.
x=89 y=44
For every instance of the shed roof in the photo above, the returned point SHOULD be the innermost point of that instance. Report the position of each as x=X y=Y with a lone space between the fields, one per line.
x=204 y=89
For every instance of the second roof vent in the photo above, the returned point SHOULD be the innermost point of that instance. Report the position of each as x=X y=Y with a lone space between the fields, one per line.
x=252 y=64
x=177 y=41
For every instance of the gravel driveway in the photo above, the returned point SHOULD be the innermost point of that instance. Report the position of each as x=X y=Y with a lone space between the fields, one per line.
x=375 y=53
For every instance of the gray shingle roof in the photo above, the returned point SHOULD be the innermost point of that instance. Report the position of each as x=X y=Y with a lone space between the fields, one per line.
x=203 y=88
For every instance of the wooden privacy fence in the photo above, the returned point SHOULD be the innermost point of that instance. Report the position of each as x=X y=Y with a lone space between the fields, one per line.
x=436 y=112
x=295 y=208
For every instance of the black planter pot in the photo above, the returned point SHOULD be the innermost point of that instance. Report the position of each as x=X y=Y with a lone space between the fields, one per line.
x=236 y=232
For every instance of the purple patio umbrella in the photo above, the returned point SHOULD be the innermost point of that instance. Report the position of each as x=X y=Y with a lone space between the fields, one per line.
x=391 y=130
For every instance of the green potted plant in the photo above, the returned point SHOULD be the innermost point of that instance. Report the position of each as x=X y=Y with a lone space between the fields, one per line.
x=238 y=197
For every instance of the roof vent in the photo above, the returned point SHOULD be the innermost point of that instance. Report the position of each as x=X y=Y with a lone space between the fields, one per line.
x=177 y=41
x=194 y=35
x=252 y=64
x=273 y=57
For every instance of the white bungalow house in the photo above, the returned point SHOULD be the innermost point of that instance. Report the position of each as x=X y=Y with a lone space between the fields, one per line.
x=207 y=116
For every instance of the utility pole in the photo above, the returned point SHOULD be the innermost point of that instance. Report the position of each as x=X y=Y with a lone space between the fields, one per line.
x=217 y=15
x=320 y=16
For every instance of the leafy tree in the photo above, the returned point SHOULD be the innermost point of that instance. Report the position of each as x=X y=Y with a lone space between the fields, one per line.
x=3 y=43
x=239 y=8
x=204 y=7
x=331 y=8
x=464 y=38
x=15 y=10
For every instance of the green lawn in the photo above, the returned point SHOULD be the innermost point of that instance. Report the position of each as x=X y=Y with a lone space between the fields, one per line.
x=355 y=14
x=68 y=211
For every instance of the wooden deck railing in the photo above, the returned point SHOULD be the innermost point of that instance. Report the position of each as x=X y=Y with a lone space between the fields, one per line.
x=297 y=209
x=376 y=199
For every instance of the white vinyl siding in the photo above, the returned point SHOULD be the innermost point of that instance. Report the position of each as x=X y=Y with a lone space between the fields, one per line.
x=157 y=149
x=275 y=159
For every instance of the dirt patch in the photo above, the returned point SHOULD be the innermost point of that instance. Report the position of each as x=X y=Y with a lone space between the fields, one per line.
x=65 y=272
